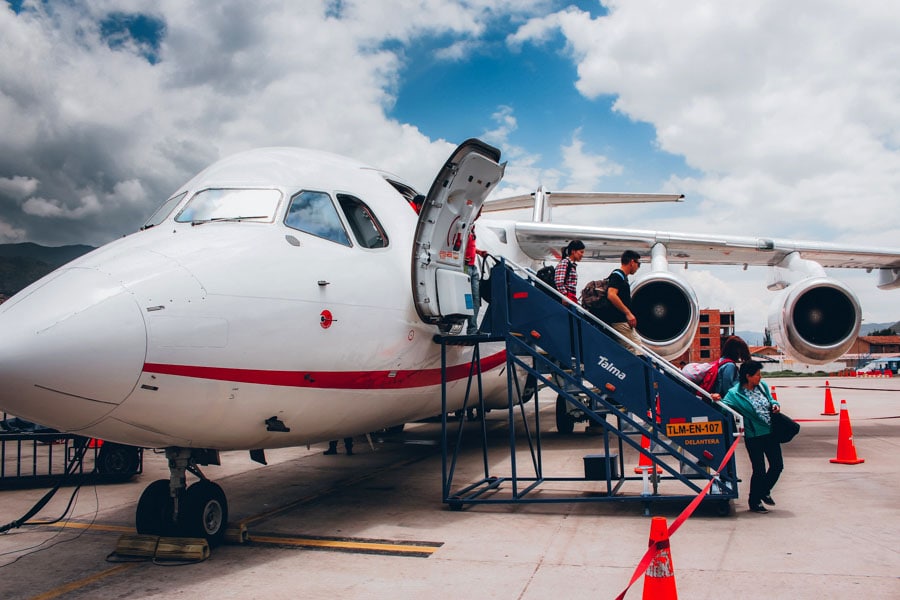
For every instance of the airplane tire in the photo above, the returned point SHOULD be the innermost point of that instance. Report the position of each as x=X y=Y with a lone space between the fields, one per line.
x=116 y=459
x=205 y=512
x=154 y=510
x=530 y=388
x=565 y=424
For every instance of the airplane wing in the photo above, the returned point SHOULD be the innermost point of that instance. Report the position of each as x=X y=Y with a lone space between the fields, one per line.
x=816 y=318
x=526 y=201
x=543 y=241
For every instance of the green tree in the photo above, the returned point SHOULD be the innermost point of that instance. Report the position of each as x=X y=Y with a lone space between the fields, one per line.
x=887 y=331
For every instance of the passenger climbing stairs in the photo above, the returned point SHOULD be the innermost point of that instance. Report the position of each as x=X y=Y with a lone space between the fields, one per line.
x=631 y=401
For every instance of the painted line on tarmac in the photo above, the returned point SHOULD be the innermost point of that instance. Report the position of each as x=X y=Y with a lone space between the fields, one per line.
x=258 y=518
x=77 y=525
x=419 y=549
x=86 y=581
x=416 y=549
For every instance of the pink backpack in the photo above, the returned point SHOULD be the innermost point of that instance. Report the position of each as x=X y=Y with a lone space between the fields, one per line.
x=704 y=374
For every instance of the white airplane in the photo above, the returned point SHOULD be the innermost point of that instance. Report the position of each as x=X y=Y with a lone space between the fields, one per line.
x=286 y=297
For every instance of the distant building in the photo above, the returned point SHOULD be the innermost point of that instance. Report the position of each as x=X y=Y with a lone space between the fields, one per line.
x=765 y=351
x=877 y=344
x=869 y=347
x=863 y=350
x=714 y=326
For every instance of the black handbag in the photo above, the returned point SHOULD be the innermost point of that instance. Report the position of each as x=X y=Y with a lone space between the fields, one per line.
x=484 y=284
x=784 y=428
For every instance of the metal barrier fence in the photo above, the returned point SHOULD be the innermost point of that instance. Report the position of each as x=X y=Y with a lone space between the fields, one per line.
x=35 y=456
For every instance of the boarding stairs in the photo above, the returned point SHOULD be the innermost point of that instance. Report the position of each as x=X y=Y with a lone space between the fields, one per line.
x=641 y=402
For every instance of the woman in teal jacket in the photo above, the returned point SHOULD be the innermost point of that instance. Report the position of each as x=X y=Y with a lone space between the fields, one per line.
x=734 y=349
x=753 y=400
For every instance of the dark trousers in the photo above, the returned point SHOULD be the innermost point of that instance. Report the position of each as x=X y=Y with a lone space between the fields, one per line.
x=348 y=445
x=761 y=449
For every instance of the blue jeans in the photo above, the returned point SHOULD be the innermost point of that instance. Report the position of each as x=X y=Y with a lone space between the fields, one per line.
x=475 y=278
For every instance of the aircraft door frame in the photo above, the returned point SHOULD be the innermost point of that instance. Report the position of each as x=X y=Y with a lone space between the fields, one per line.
x=441 y=288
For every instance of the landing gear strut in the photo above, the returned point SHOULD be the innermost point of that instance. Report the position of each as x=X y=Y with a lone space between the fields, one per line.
x=565 y=422
x=169 y=508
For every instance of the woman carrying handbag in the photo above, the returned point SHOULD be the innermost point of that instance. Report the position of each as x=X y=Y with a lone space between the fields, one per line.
x=753 y=400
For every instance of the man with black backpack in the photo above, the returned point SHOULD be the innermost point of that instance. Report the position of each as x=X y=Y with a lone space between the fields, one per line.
x=616 y=311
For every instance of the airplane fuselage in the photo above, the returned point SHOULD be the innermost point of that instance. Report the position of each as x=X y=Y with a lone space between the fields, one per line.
x=196 y=333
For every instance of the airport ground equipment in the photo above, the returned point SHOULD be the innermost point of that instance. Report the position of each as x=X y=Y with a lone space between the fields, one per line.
x=34 y=456
x=623 y=396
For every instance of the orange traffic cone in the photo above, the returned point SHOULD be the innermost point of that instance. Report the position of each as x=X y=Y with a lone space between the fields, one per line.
x=829 y=403
x=644 y=462
x=659 y=578
x=846 y=451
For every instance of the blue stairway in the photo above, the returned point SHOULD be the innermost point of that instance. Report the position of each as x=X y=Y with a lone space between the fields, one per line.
x=628 y=397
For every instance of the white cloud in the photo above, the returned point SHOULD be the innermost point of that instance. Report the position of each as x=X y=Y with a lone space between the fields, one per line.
x=523 y=173
x=456 y=51
x=84 y=111
x=537 y=30
x=790 y=112
x=586 y=170
x=43 y=207
x=506 y=124
x=10 y=234
x=17 y=186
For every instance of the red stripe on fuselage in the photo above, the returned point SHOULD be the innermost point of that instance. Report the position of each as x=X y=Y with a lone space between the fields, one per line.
x=345 y=380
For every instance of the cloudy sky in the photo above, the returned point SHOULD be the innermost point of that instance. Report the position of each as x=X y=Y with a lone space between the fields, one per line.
x=774 y=118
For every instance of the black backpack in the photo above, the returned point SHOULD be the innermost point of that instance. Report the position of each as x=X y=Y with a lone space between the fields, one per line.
x=548 y=275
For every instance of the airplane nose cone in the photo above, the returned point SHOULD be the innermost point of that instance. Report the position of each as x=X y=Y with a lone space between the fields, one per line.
x=72 y=347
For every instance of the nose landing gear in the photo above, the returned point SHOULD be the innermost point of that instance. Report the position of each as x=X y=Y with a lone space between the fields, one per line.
x=169 y=508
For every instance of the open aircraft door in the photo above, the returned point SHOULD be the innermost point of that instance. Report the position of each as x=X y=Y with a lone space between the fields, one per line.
x=441 y=288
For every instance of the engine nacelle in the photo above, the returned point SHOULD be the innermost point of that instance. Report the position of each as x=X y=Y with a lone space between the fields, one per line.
x=667 y=313
x=815 y=320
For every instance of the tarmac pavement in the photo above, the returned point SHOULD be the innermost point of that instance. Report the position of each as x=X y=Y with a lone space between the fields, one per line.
x=372 y=525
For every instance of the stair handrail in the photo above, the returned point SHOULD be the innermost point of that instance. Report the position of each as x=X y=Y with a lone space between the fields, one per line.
x=655 y=358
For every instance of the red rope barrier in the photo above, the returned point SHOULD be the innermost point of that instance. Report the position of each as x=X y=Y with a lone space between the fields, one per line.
x=687 y=512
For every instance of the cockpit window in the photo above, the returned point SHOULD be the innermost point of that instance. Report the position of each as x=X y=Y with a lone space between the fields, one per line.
x=414 y=198
x=230 y=205
x=366 y=228
x=163 y=211
x=314 y=213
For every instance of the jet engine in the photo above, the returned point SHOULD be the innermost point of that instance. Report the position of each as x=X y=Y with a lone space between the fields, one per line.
x=667 y=312
x=815 y=320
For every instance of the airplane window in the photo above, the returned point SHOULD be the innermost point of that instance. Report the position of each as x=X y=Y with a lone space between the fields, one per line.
x=365 y=226
x=413 y=197
x=314 y=213
x=230 y=205
x=163 y=211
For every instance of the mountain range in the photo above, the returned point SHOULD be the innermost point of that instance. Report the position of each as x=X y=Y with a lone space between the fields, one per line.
x=22 y=264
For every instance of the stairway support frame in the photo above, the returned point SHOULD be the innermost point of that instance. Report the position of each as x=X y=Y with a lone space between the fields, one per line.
x=522 y=355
